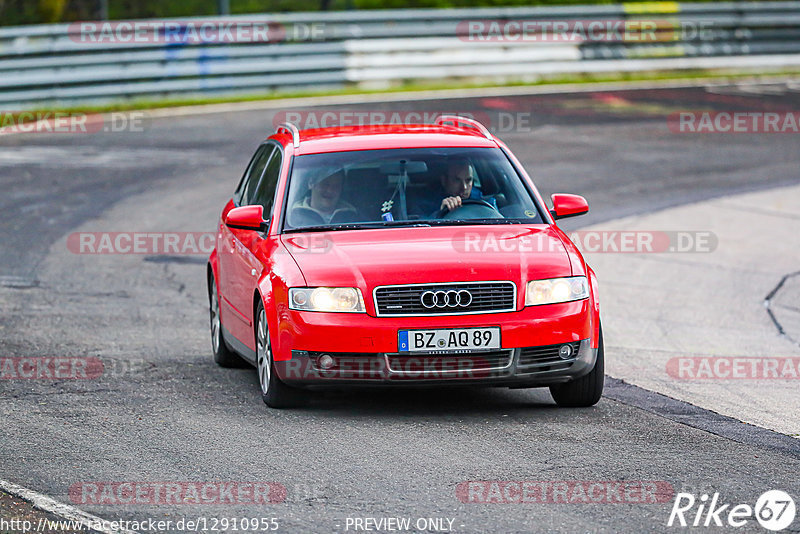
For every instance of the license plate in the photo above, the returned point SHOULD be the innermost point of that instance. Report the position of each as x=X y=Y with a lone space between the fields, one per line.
x=449 y=340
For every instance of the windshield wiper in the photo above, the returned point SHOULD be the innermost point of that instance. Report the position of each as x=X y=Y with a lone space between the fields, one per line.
x=469 y=222
x=403 y=223
x=356 y=226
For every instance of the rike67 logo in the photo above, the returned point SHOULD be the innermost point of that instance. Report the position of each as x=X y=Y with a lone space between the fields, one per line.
x=774 y=510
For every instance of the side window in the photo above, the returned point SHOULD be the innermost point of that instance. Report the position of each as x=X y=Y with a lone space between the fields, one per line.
x=237 y=195
x=266 y=190
x=250 y=180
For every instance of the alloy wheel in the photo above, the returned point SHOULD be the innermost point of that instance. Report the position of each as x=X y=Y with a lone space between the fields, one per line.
x=264 y=352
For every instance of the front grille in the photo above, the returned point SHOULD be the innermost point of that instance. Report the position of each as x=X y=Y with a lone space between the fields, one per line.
x=546 y=358
x=486 y=297
x=449 y=364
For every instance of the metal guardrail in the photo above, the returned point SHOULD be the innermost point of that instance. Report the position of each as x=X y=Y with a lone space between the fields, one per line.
x=57 y=64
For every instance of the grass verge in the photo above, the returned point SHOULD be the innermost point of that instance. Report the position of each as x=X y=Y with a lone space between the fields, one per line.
x=450 y=85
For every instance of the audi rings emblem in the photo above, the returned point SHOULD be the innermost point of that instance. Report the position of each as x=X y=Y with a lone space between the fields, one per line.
x=446 y=299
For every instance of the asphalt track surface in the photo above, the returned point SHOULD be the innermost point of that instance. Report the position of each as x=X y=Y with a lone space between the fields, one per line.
x=162 y=411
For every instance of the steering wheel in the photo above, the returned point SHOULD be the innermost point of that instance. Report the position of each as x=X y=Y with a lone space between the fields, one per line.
x=345 y=215
x=471 y=208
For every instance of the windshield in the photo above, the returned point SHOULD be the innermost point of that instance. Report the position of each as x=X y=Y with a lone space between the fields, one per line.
x=401 y=187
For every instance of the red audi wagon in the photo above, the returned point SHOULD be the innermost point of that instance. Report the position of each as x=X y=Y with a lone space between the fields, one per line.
x=401 y=255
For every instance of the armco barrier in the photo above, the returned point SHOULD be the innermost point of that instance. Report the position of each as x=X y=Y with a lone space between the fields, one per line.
x=57 y=64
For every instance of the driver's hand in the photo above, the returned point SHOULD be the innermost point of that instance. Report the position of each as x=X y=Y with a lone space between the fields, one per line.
x=450 y=203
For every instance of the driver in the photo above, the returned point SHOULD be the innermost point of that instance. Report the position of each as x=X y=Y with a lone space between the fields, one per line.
x=456 y=186
x=325 y=196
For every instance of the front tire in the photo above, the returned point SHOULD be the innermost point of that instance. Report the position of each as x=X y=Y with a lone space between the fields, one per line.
x=223 y=356
x=274 y=393
x=586 y=390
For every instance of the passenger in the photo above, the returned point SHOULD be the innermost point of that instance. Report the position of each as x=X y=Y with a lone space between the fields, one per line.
x=325 y=197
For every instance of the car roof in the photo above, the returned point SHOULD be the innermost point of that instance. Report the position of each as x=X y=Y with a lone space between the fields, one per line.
x=376 y=137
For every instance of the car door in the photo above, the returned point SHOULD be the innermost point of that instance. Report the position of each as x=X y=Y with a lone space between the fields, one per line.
x=247 y=266
x=234 y=276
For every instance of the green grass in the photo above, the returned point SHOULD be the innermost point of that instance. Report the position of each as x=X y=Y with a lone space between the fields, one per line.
x=142 y=104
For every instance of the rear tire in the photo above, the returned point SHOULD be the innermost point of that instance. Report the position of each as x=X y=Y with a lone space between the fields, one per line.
x=223 y=356
x=274 y=393
x=586 y=390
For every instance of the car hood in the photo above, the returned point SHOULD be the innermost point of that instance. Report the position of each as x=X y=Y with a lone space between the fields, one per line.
x=390 y=256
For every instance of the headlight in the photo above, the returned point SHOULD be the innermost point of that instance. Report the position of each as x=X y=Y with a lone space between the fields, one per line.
x=556 y=290
x=326 y=299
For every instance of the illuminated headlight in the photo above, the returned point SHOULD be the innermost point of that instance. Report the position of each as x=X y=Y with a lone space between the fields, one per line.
x=556 y=290
x=326 y=299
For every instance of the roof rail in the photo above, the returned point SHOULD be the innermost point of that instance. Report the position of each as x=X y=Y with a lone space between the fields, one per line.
x=458 y=120
x=289 y=128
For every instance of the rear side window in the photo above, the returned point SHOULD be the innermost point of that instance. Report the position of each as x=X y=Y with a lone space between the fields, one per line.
x=245 y=191
x=265 y=195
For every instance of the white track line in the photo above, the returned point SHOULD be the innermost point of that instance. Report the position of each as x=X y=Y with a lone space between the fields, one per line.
x=43 y=502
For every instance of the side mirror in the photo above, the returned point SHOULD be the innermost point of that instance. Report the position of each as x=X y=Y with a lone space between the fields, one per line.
x=247 y=218
x=565 y=205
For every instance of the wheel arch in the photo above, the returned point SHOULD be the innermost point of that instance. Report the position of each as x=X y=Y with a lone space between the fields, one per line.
x=263 y=294
x=209 y=277
x=212 y=270
x=595 y=306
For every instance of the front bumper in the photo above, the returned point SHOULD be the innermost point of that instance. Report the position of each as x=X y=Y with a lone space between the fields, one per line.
x=518 y=367
x=530 y=326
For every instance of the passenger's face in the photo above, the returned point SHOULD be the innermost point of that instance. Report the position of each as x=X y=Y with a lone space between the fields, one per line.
x=325 y=195
x=458 y=181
